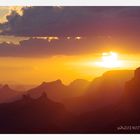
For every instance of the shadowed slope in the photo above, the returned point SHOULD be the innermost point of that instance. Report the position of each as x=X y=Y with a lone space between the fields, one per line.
x=103 y=91
x=33 y=116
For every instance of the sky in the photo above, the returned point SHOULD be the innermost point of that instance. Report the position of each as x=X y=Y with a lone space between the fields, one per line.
x=47 y=43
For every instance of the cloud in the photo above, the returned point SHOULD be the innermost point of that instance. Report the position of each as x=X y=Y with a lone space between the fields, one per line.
x=42 y=47
x=73 y=21
x=65 y=23
x=7 y=10
x=12 y=39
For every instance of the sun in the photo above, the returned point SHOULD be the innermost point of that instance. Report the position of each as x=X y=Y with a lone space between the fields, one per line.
x=109 y=60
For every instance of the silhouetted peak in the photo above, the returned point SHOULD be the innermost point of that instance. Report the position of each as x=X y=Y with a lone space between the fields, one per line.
x=57 y=82
x=79 y=82
x=5 y=87
x=43 y=83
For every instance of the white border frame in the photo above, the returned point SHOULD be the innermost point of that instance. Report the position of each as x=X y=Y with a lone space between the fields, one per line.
x=70 y=2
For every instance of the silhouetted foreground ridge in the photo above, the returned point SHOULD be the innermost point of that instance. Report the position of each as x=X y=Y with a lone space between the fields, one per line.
x=110 y=104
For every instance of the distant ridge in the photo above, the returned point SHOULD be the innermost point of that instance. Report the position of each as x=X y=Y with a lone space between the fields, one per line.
x=110 y=82
x=102 y=91
x=57 y=91
x=7 y=94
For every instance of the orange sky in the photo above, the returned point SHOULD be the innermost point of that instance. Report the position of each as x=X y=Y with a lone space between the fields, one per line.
x=81 y=34
x=66 y=68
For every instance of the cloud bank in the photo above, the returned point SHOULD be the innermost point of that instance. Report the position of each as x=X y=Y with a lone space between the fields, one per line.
x=63 y=22
x=73 y=21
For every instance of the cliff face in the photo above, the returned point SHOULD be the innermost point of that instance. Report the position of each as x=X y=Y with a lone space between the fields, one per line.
x=132 y=90
x=110 y=86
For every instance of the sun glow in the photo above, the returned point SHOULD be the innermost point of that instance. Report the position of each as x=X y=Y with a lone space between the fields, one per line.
x=109 y=60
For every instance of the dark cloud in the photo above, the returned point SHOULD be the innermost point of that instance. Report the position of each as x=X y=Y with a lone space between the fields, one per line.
x=70 y=21
x=73 y=21
x=34 y=47
x=41 y=47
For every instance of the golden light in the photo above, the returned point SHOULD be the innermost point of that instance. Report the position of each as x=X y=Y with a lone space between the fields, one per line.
x=109 y=60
